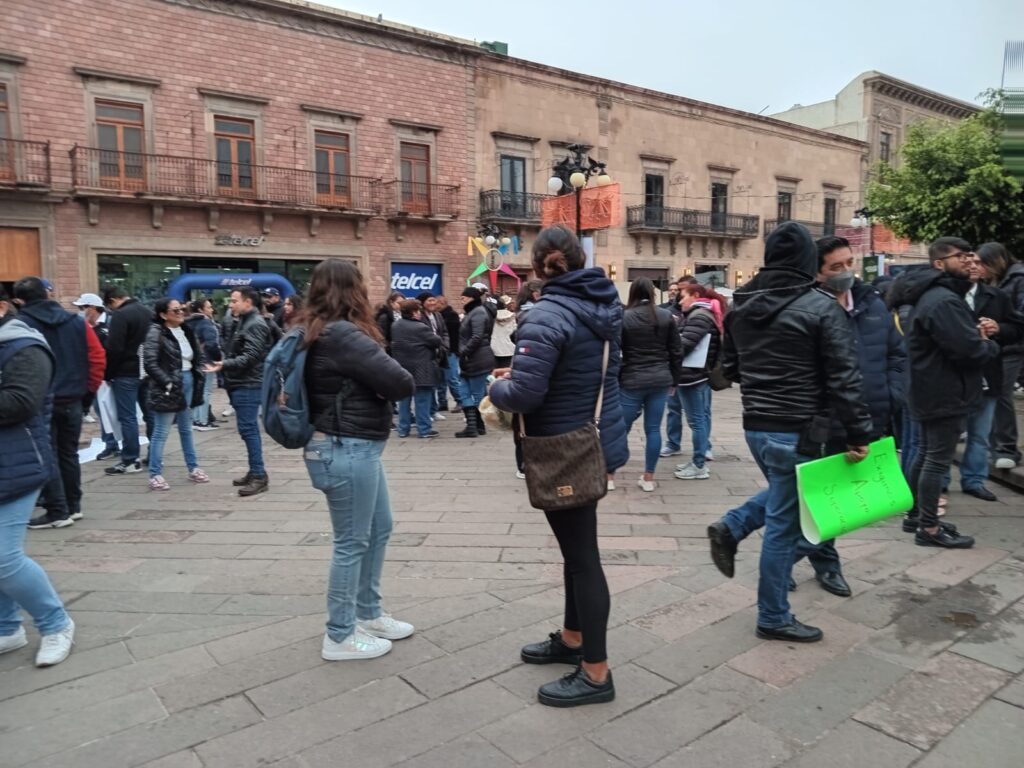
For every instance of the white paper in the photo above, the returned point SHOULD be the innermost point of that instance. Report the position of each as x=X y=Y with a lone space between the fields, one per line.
x=107 y=407
x=699 y=356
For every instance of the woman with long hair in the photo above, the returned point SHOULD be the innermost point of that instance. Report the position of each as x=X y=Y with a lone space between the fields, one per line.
x=386 y=314
x=352 y=383
x=292 y=308
x=651 y=356
x=554 y=383
x=172 y=356
x=1007 y=274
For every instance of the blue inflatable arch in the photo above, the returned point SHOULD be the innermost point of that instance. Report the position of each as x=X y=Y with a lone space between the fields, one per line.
x=181 y=286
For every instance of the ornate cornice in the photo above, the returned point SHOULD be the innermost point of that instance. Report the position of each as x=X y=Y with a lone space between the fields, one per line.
x=318 y=20
x=919 y=97
x=9 y=57
x=101 y=74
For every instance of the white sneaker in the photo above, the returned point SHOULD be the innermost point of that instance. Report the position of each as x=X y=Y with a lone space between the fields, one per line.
x=13 y=642
x=520 y=475
x=55 y=648
x=611 y=485
x=647 y=486
x=440 y=417
x=709 y=456
x=229 y=411
x=358 y=645
x=1005 y=463
x=89 y=418
x=666 y=451
x=691 y=472
x=386 y=627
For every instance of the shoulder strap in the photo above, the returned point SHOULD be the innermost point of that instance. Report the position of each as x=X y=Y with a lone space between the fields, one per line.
x=600 y=393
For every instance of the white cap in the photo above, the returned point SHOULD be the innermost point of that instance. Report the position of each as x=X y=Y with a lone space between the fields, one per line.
x=88 y=300
x=480 y=287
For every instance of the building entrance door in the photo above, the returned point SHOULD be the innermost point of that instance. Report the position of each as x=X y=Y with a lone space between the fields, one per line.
x=21 y=256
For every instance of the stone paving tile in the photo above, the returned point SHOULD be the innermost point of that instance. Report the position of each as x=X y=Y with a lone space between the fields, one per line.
x=853 y=745
x=579 y=753
x=953 y=566
x=256 y=641
x=140 y=537
x=27 y=678
x=185 y=759
x=882 y=604
x=150 y=602
x=993 y=737
x=88 y=564
x=928 y=704
x=467 y=752
x=686 y=616
x=740 y=742
x=1013 y=693
x=499 y=620
x=999 y=642
x=639 y=601
x=158 y=644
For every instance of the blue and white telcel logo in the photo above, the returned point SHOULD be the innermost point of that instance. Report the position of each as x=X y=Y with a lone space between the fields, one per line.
x=414 y=278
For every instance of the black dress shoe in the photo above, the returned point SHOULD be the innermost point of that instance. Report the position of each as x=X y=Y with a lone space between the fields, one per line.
x=943 y=538
x=794 y=632
x=551 y=651
x=834 y=582
x=792 y=584
x=981 y=492
x=575 y=689
x=723 y=548
x=910 y=525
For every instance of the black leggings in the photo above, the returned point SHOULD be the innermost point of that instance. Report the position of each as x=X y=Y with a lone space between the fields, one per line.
x=586 y=591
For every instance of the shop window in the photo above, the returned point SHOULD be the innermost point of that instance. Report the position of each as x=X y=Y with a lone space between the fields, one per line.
x=119 y=134
x=415 y=177
x=332 y=168
x=236 y=150
x=146 y=278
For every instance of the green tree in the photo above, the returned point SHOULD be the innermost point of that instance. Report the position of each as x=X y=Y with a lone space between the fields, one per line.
x=951 y=182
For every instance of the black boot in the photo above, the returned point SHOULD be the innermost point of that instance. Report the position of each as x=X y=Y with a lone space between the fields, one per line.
x=472 y=422
x=480 y=428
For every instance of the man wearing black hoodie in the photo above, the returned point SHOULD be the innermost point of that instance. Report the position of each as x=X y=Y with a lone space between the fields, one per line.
x=948 y=350
x=790 y=347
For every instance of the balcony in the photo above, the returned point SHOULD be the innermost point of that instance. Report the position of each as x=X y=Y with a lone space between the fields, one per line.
x=419 y=199
x=516 y=208
x=25 y=165
x=816 y=228
x=659 y=220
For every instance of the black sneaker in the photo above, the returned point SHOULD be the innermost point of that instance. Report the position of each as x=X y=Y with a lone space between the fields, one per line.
x=943 y=538
x=910 y=525
x=430 y=434
x=723 y=548
x=794 y=632
x=49 y=521
x=575 y=689
x=124 y=468
x=551 y=651
x=108 y=453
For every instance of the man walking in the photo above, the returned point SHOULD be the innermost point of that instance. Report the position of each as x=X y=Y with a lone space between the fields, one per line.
x=129 y=321
x=242 y=365
x=92 y=310
x=789 y=346
x=431 y=317
x=451 y=323
x=79 y=372
x=948 y=350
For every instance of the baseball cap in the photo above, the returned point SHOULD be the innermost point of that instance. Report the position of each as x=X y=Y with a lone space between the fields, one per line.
x=481 y=287
x=88 y=300
x=270 y=292
x=47 y=285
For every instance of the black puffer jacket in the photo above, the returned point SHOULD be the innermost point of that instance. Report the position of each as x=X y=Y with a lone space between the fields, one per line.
x=246 y=351
x=475 y=355
x=995 y=304
x=161 y=356
x=945 y=350
x=1012 y=285
x=790 y=347
x=451 y=322
x=385 y=319
x=351 y=383
x=128 y=326
x=414 y=345
x=698 y=322
x=651 y=348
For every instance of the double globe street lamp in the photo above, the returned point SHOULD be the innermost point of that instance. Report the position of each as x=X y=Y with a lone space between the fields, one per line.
x=574 y=172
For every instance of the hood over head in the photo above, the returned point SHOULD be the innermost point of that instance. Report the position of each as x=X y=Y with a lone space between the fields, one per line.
x=790 y=266
x=591 y=296
x=911 y=285
x=790 y=246
x=48 y=312
x=11 y=328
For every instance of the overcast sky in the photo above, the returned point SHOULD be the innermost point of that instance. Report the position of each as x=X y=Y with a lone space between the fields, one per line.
x=747 y=54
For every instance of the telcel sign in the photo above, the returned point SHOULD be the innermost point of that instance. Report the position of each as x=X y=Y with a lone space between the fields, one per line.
x=414 y=278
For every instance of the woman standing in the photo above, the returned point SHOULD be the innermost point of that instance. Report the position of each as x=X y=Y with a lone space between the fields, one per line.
x=351 y=382
x=386 y=315
x=651 y=357
x=292 y=307
x=172 y=357
x=501 y=337
x=554 y=383
x=200 y=322
x=701 y=336
x=414 y=346
x=476 y=360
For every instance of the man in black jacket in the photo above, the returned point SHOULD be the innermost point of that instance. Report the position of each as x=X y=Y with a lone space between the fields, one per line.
x=476 y=360
x=451 y=322
x=789 y=346
x=948 y=350
x=430 y=315
x=244 y=354
x=129 y=321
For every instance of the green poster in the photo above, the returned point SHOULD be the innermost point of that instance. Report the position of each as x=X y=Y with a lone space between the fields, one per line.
x=837 y=497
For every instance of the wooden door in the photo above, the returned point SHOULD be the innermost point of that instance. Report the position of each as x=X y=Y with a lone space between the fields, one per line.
x=19 y=253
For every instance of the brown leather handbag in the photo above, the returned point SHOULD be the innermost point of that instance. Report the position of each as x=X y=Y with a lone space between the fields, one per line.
x=568 y=470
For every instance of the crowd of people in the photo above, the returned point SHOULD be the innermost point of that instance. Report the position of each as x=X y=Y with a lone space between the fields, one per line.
x=826 y=365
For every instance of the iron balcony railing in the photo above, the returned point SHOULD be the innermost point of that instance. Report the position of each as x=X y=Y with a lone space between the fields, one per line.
x=816 y=228
x=192 y=178
x=416 y=198
x=25 y=164
x=691 y=222
x=497 y=204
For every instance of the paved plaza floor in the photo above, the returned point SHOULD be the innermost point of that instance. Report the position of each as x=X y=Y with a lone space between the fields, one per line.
x=200 y=617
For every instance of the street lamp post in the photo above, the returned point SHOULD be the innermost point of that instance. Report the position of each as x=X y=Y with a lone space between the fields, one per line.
x=573 y=173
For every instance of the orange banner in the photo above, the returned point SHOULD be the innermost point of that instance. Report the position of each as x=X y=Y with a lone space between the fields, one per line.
x=600 y=208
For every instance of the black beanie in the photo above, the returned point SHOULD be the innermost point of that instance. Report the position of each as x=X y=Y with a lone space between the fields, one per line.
x=422 y=298
x=473 y=293
x=791 y=245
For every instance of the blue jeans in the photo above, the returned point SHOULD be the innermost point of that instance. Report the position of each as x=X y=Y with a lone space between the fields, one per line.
x=162 y=428
x=23 y=584
x=454 y=379
x=674 y=421
x=779 y=508
x=201 y=413
x=473 y=389
x=696 y=401
x=974 y=466
x=126 y=396
x=350 y=474
x=423 y=397
x=910 y=437
x=108 y=439
x=652 y=403
x=246 y=402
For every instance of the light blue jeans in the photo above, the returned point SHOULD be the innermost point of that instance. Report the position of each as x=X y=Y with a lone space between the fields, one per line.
x=974 y=466
x=421 y=401
x=23 y=583
x=454 y=379
x=674 y=421
x=201 y=413
x=350 y=473
x=652 y=403
x=696 y=401
x=473 y=389
x=162 y=429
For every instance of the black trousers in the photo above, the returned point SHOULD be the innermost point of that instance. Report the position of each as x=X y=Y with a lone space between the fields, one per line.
x=934 y=456
x=63 y=492
x=587 y=601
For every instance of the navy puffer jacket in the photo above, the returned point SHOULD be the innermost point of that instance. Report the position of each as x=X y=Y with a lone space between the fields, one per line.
x=556 y=370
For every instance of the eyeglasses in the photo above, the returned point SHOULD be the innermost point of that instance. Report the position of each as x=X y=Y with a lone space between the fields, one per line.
x=963 y=256
x=177 y=311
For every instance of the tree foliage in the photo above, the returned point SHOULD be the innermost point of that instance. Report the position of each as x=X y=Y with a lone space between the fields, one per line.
x=951 y=181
